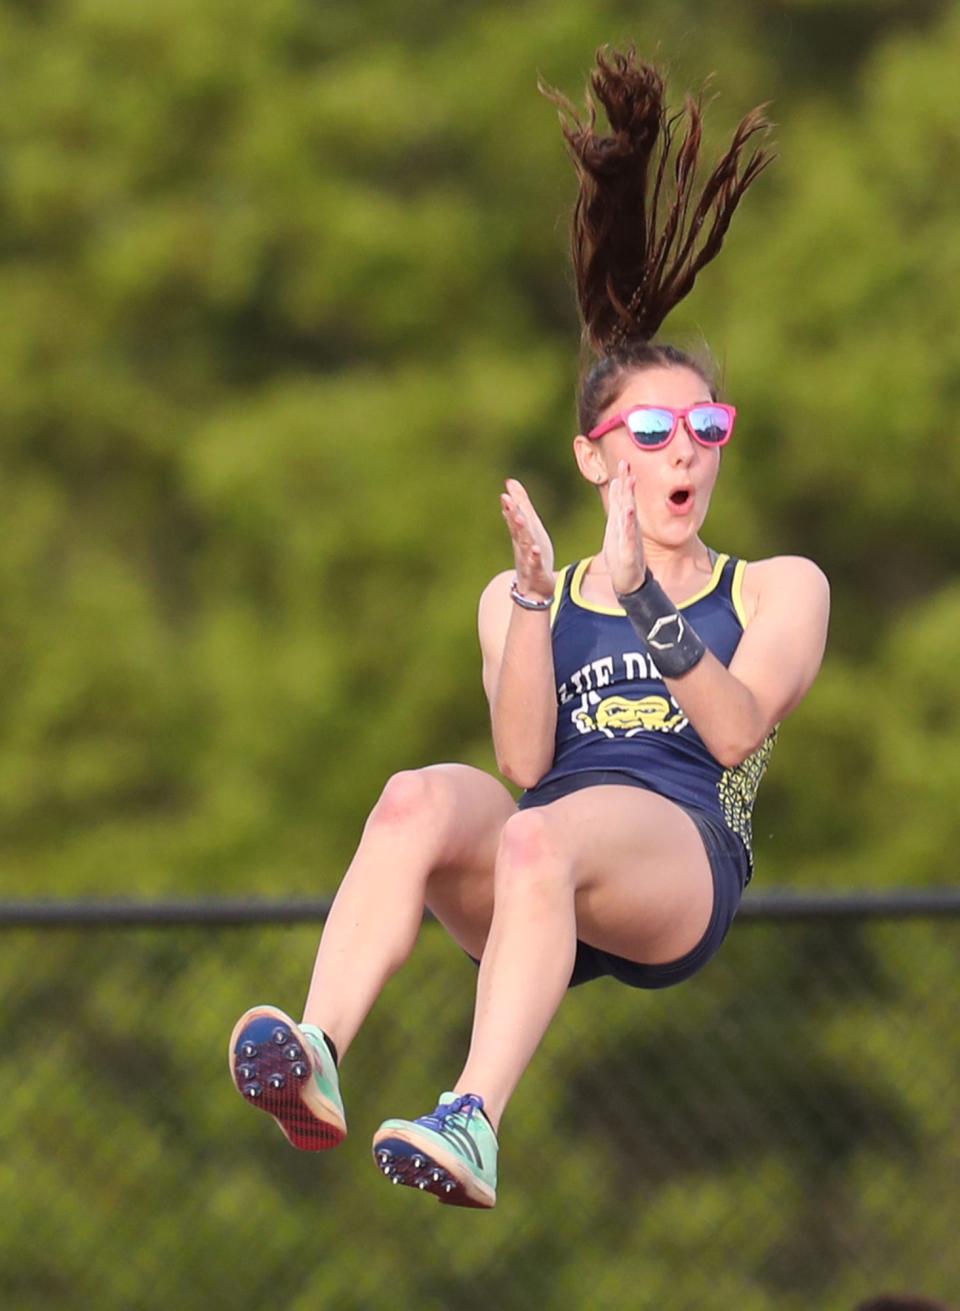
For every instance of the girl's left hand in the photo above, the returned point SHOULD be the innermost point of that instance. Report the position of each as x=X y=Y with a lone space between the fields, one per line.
x=622 y=547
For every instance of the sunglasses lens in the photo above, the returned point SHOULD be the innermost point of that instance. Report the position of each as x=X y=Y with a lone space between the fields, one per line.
x=710 y=424
x=650 y=427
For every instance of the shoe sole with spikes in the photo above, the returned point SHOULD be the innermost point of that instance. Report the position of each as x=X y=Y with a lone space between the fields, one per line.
x=407 y=1163
x=272 y=1064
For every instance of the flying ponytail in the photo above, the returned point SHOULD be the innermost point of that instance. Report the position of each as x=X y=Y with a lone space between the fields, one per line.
x=642 y=227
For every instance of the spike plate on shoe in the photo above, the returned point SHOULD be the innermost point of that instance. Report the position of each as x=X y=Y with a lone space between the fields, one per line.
x=260 y=1061
x=412 y=1166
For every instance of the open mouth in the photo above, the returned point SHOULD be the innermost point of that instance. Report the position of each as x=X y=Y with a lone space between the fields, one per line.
x=680 y=497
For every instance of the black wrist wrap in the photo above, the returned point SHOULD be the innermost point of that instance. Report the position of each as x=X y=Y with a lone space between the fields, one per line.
x=675 y=647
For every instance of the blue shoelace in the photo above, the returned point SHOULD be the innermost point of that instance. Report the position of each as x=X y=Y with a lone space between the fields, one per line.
x=469 y=1102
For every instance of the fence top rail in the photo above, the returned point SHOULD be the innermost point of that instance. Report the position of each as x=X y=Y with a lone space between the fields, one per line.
x=237 y=912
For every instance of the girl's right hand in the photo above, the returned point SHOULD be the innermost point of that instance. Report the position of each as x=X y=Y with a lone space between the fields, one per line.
x=532 y=548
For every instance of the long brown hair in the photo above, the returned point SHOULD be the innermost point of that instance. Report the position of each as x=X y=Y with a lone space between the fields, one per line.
x=642 y=227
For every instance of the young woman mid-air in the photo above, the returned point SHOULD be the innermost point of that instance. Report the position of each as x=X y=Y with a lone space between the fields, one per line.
x=635 y=696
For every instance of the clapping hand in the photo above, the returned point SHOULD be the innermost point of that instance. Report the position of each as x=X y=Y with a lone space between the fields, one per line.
x=622 y=547
x=532 y=548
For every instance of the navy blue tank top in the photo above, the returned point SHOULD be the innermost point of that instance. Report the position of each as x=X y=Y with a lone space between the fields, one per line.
x=614 y=711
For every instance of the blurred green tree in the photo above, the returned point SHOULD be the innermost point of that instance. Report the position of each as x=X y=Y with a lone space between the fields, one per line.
x=285 y=298
x=281 y=313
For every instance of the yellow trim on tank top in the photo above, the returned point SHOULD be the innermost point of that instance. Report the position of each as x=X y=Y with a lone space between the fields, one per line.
x=736 y=592
x=558 y=593
x=576 y=595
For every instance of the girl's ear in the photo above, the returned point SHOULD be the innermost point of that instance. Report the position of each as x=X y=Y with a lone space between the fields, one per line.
x=589 y=460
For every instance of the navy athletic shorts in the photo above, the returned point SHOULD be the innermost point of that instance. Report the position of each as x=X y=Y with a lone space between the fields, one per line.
x=729 y=866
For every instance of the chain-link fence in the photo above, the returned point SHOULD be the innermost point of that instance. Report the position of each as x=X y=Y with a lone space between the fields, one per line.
x=781 y=1132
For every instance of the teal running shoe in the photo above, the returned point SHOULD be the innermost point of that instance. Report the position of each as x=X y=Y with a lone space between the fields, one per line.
x=288 y=1071
x=451 y=1153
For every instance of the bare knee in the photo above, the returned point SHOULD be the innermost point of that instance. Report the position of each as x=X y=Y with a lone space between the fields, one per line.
x=409 y=799
x=528 y=856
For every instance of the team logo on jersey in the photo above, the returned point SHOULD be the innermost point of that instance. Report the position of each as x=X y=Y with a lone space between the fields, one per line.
x=620 y=715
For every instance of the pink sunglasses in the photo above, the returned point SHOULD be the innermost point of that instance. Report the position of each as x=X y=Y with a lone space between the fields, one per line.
x=654 y=426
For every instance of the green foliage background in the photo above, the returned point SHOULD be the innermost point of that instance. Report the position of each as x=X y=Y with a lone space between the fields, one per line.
x=285 y=297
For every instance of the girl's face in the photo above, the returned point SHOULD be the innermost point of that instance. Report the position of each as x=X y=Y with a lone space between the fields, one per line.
x=673 y=484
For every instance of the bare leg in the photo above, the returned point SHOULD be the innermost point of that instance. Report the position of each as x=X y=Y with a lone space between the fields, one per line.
x=436 y=827
x=624 y=869
x=527 y=963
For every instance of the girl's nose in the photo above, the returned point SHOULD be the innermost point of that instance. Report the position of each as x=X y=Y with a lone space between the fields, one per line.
x=683 y=446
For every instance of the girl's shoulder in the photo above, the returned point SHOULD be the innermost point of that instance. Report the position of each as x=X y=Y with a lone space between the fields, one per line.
x=495 y=604
x=785 y=577
x=496 y=594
